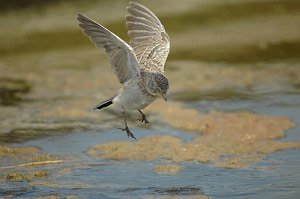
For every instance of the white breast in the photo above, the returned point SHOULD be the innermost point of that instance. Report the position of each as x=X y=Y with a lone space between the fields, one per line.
x=130 y=97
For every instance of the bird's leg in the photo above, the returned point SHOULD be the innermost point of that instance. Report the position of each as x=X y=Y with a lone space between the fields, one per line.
x=143 y=119
x=129 y=134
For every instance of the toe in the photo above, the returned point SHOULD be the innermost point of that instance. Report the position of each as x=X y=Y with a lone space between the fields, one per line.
x=132 y=136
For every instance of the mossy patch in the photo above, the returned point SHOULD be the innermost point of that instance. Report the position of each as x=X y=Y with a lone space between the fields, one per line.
x=17 y=177
x=5 y=150
x=12 y=157
x=27 y=176
x=167 y=169
x=231 y=140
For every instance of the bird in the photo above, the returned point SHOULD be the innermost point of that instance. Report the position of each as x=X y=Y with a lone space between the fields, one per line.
x=139 y=65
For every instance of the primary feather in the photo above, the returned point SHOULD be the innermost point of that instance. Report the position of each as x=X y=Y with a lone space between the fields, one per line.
x=122 y=57
x=149 y=39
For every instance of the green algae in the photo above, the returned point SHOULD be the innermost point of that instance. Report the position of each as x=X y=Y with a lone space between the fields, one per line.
x=230 y=140
x=17 y=177
x=229 y=11
x=269 y=52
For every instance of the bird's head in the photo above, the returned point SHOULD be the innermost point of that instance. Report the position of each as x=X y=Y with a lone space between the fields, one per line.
x=162 y=85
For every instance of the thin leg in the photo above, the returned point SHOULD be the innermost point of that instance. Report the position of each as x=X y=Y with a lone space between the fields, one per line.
x=143 y=119
x=129 y=134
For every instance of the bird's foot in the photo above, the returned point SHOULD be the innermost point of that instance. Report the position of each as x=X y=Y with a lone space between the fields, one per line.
x=143 y=119
x=129 y=134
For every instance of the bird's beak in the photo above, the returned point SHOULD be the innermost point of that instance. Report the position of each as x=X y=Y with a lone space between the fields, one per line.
x=164 y=96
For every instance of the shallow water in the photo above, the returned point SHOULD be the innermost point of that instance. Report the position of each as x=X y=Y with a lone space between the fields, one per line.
x=276 y=176
x=50 y=77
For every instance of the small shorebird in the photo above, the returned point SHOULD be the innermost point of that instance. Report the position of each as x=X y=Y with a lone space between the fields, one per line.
x=139 y=66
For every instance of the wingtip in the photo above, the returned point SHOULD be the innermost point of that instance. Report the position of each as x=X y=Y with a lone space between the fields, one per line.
x=129 y=5
x=79 y=16
x=132 y=4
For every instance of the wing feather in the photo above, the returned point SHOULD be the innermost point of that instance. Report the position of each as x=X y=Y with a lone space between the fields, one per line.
x=149 y=39
x=122 y=57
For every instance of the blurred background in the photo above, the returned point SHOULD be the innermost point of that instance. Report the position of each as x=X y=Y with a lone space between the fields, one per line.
x=234 y=70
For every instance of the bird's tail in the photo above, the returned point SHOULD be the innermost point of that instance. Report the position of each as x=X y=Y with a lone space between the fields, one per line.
x=104 y=104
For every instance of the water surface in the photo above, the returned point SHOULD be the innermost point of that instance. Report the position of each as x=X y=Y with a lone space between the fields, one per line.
x=242 y=61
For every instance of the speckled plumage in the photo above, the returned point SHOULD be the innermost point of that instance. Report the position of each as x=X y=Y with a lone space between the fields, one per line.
x=139 y=66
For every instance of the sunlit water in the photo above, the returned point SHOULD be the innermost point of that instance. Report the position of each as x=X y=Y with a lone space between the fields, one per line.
x=277 y=176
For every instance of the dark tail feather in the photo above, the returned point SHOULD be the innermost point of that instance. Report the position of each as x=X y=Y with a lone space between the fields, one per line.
x=104 y=104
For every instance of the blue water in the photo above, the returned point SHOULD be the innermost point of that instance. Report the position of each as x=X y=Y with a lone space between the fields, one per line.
x=276 y=177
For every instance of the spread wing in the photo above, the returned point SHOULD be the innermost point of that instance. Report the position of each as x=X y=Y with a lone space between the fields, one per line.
x=149 y=39
x=122 y=58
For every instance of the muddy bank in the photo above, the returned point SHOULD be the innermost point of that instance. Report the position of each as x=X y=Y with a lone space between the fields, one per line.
x=231 y=140
x=169 y=169
x=226 y=153
x=14 y=157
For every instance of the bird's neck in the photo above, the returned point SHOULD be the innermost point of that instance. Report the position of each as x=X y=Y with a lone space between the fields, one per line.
x=149 y=83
